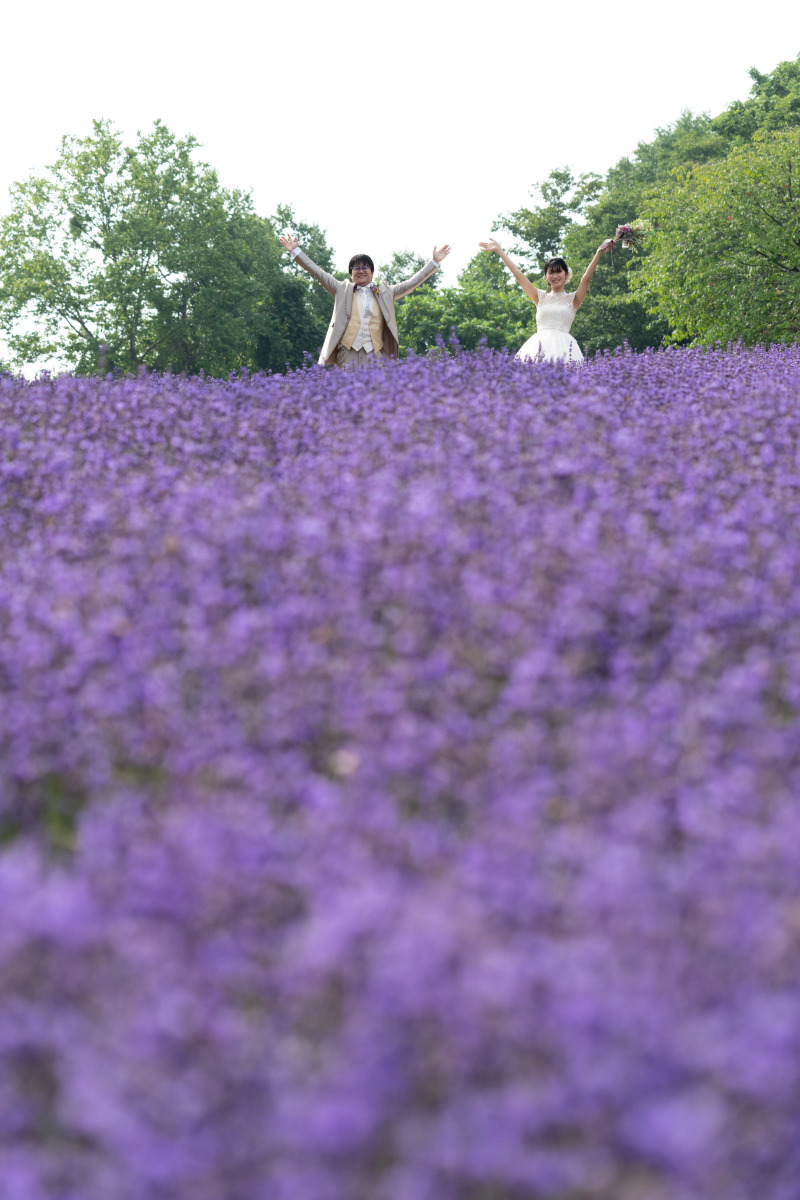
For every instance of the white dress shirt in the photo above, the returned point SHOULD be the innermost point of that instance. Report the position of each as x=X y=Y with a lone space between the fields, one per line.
x=363 y=339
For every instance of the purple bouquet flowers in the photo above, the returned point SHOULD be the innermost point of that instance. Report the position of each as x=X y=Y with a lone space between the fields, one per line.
x=399 y=777
x=630 y=236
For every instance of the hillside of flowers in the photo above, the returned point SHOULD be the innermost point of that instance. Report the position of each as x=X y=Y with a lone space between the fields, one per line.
x=400 y=782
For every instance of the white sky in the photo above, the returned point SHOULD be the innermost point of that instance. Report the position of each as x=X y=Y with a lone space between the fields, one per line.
x=392 y=126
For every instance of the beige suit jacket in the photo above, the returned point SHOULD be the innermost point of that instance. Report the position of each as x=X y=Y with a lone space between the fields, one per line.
x=342 y=291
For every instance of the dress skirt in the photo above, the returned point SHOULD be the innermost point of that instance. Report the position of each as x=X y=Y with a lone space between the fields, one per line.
x=551 y=345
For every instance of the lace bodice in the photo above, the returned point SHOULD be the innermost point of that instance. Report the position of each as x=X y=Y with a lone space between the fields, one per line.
x=555 y=311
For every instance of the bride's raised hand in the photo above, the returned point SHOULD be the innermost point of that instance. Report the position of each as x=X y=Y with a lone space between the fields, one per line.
x=493 y=246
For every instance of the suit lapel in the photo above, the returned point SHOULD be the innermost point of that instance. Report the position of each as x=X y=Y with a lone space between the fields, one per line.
x=383 y=301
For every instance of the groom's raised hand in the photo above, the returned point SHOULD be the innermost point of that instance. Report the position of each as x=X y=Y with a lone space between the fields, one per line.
x=289 y=242
x=438 y=255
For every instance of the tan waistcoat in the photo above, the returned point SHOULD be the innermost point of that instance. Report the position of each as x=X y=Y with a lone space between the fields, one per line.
x=376 y=325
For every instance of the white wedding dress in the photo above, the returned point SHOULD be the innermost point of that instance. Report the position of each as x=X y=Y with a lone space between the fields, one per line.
x=553 y=341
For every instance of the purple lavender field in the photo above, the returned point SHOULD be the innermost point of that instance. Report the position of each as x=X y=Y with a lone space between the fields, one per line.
x=400 y=783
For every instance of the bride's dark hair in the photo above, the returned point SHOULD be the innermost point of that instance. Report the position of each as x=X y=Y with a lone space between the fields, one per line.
x=556 y=262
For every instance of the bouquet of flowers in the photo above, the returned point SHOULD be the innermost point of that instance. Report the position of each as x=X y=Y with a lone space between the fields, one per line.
x=631 y=236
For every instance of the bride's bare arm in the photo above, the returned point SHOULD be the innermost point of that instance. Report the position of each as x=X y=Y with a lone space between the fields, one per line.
x=494 y=247
x=586 y=279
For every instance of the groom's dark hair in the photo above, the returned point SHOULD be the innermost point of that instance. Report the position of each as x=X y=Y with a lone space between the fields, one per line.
x=360 y=260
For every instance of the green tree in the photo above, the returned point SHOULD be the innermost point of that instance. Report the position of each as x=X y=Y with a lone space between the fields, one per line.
x=486 y=306
x=615 y=309
x=613 y=312
x=773 y=104
x=540 y=230
x=404 y=264
x=725 y=253
x=575 y=216
x=139 y=250
x=572 y=214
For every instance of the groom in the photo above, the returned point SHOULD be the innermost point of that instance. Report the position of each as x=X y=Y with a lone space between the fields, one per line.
x=363 y=326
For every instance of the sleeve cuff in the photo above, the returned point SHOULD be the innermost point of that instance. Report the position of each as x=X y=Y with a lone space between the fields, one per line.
x=294 y=253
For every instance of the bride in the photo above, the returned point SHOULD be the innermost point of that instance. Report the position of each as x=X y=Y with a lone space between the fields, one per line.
x=555 y=310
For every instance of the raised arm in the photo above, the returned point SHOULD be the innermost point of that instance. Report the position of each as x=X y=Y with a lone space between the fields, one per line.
x=494 y=247
x=291 y=244
x=586 y=278
x=408 y=285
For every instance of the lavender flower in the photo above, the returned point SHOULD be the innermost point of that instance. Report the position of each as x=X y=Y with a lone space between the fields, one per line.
x=397 y=780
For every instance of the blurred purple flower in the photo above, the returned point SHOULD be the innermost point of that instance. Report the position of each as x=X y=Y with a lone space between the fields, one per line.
x=398 y=779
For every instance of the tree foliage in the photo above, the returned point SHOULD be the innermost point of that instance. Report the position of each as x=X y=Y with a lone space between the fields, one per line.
x=402 y=265
x=405 y=263
x=487 y=306
x=571 y=216
x=593 y=207
x=135 y=255
x=725 y=258
x=540 y=230
x=140 y=250
x=575 y=214
x=773 y=104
